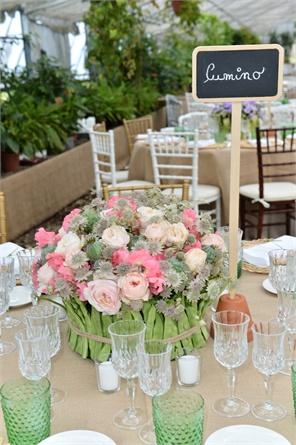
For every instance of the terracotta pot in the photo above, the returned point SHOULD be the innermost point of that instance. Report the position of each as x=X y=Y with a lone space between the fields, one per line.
x=177 y=6
x=238 y=303
x=10 y=161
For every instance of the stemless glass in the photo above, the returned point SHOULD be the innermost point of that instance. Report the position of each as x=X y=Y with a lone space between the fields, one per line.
x=155 y=377
x=33 y=353
x=26 y=260
x=7 y=267
x=178 y=418
x=5 y=347
x=127 y=338
x=231 y=351
x=26 y=410
x=268 y=359
x=46 y=316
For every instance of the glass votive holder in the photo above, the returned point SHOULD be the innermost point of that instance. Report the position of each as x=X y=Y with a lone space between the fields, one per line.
x=293 y=378
x=26 y=409
x=107 y=378
x=188 y=370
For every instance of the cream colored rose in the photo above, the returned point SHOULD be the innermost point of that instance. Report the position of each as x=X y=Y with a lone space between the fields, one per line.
x=69 y=244
x=157 y=231
x=116 y=237
x=195 y=259
x=177 y=233
x=146 y=213
x=214 y=239
x=133 y=286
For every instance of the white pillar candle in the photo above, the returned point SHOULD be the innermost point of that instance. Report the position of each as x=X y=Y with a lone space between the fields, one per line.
x=189 y=369
x=107 y=377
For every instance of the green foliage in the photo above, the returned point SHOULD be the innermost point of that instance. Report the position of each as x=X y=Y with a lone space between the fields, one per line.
x=285 y=39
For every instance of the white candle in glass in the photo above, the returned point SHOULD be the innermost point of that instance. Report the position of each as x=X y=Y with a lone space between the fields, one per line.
x=107 y=377
x=188 y=369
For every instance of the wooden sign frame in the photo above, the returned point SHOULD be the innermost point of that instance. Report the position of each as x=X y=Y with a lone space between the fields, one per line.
x=236 y=137
x=238 y=48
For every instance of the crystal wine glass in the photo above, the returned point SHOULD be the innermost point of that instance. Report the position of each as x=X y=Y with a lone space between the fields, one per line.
x=26 y=260
x=268 y=359
x=46 y=316
x=127 y=338
x=290 y=324
x=231 y=351
x=155 y=378
x=5 y=347
x=7 y=267
x=33 y=352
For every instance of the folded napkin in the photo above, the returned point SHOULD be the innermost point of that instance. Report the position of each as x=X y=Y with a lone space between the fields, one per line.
x=258 y=255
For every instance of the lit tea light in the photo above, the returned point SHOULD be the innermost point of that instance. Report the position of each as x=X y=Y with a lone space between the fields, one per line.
x=188 y=368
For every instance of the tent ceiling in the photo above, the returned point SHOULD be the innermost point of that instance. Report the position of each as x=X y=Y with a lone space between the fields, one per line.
x=262 y=16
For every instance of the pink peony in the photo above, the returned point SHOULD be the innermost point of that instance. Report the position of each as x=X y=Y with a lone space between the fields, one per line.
x=45 y=238
x=68 y=219
x=134 y=286
x=214 y=239
x=156 y=285
x=120 y=256
x=189 y=217
x=55 y=260
x=103 y=296
x=66 y=273
x=112 y=202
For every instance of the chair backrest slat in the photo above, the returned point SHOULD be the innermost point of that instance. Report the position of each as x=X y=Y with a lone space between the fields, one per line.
x=107 y=189
x=3 y=232
x=133 y=127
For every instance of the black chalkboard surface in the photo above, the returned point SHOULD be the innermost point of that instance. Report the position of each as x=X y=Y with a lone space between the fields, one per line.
x=237 y=72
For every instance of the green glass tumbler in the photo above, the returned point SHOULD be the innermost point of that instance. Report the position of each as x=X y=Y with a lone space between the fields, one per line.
x=26 y=410
x=293 y=378
x=178 y=418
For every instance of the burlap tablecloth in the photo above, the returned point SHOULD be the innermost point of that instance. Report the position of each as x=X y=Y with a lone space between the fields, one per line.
x=86 y=408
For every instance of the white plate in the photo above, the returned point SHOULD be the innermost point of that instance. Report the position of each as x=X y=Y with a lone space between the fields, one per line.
x=268 y=286
x=79 y=437
x=246 y=435
x=19 y=296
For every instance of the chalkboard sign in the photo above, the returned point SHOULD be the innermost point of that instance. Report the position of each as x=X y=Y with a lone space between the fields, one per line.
x=236 y=73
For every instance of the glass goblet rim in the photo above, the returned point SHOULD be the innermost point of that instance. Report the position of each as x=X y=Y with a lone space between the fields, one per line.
x=139 y=323
x=156 y=354
x=281 y=331
x=220 y=323
x=35 y=312
x=9 y=384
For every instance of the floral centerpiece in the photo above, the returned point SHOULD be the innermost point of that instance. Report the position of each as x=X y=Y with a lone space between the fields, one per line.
x=146 y=256
x=250 y=115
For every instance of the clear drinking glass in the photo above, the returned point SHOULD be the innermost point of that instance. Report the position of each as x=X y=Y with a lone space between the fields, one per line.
x=46 y=316
x=26 y=260
x=26 y=410
x=268 y=359
x=5 y=347
x=155 y=378
x=33 y=352
x=178 y=418
x=290 y=324
x=7 y=267
x=231 y=351
x=127 y=341
x=224 y=232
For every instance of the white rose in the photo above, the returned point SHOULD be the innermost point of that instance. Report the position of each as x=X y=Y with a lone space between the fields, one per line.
x=69 y=244
x=116 y=237
x=177 y=233
x=195 y=259
x=146 y=213
x=157 y=231
x=214 y=239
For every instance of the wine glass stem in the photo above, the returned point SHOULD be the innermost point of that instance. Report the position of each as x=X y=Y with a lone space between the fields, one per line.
x=268 y=389
x=231 y=382
x=131 y=390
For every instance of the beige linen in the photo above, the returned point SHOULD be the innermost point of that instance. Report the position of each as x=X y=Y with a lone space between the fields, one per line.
x=87 y=408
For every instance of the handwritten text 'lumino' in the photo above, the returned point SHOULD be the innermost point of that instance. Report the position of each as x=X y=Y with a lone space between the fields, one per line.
x=238 y=75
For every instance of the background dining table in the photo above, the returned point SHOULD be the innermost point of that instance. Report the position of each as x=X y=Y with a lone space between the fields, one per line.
x=85 y=407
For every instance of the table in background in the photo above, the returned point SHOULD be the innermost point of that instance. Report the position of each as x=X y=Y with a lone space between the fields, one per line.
x=86 y=408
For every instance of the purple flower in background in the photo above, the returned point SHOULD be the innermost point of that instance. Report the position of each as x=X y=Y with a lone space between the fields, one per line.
x=250 y=109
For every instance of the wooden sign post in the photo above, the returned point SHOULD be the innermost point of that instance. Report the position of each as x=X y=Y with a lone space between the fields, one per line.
x=235 y=74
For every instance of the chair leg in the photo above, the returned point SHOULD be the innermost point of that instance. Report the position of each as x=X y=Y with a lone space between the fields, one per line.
x=242 y=214
x=260 y=221
x=218 y=213
x=288 y=224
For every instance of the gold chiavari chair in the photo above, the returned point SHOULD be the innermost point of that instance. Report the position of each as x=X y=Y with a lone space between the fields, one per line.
x=3 y=232
x=133 y=127
x=183 y=189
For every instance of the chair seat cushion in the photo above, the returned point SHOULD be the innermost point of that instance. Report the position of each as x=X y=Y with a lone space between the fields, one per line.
x=205 y=193
x=121 y=175
x=273 y=191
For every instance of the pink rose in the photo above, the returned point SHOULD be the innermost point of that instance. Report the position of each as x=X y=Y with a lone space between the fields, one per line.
x=103 y=296
x=68 y=219
x=134 y=286
x=120 y=257
x=156 y=285
x=214 y=239
x=44 y=238
x=46 y=277
x=80 y=290
x=55 y=260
